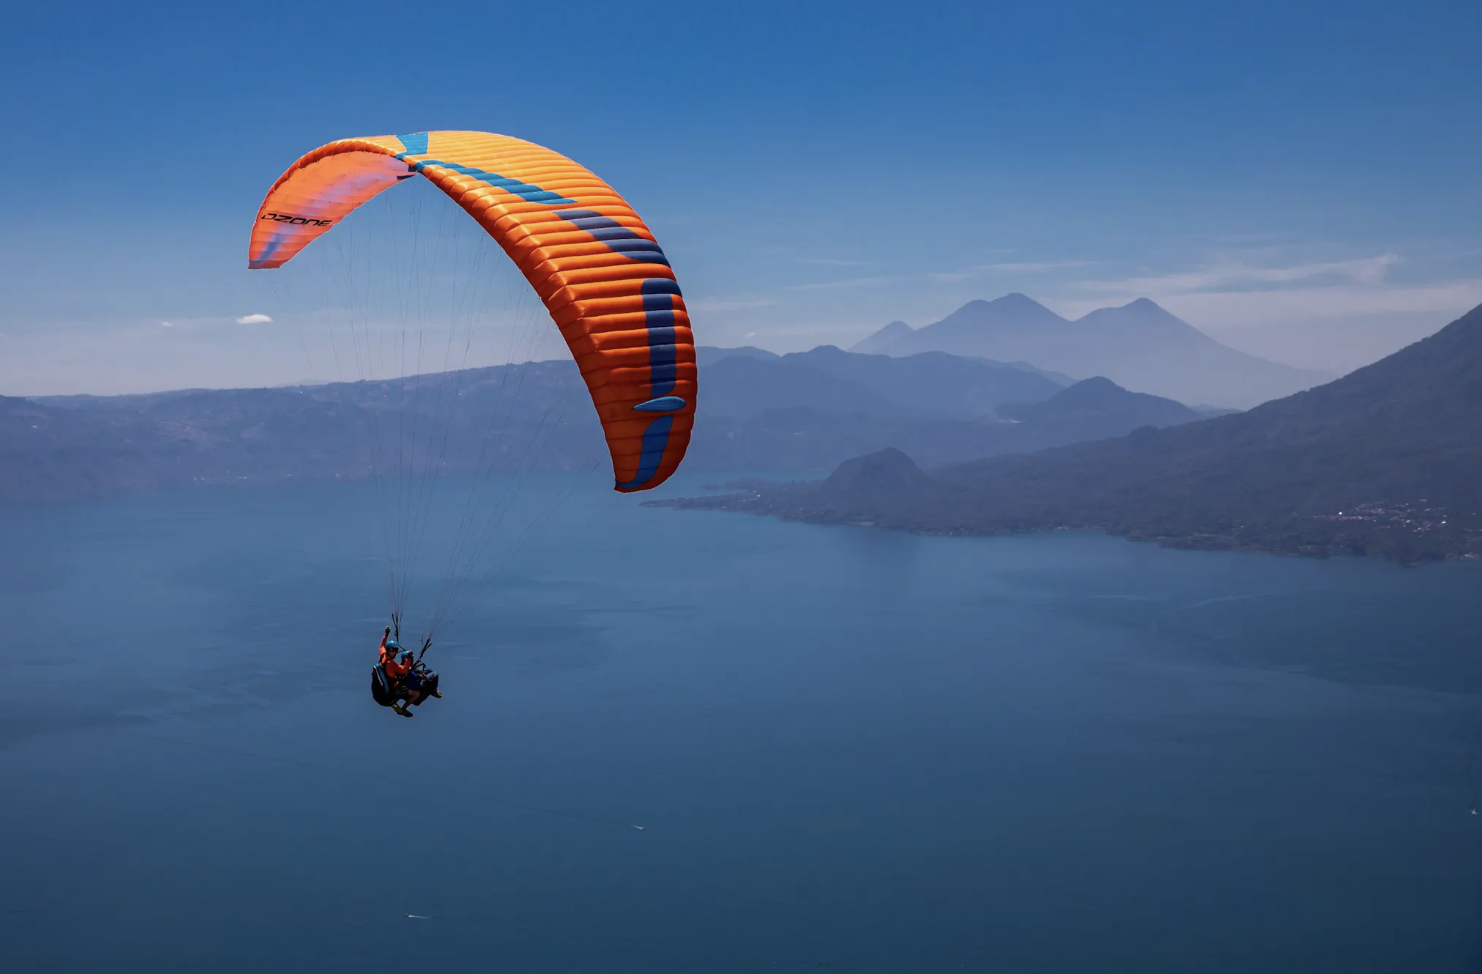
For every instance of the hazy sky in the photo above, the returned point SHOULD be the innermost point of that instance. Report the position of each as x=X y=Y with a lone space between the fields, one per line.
x=1300 y=180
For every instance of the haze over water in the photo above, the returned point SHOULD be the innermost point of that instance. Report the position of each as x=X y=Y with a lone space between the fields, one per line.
x=848 y=750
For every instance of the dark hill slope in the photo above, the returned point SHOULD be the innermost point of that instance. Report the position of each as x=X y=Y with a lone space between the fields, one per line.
x=1098 y=408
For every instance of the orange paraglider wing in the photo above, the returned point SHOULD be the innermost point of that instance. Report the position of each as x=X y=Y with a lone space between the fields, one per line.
x=593 y=262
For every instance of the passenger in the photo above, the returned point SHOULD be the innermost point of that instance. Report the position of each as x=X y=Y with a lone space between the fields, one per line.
x=407 y=678
x=398 y=668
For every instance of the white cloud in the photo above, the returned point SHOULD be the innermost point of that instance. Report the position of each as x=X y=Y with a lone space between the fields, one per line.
x=1231 y=272
x=1277 y=301
x=1336 y=314
x=1012 y=267
x=167 y=324
x=1338 y=328
x=1235 y=308
x=851 y=282
x=255 y=319
x=1036 y=266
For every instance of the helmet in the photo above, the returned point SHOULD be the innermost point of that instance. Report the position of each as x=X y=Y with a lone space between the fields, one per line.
x=393 y=646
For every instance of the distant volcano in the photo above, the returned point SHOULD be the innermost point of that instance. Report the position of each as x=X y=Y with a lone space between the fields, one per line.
x=1139 y=346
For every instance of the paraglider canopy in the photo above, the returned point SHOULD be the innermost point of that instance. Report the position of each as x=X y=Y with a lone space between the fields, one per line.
x=593 y=262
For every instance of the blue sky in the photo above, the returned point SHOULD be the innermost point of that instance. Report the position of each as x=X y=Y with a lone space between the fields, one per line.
x=1300 y=180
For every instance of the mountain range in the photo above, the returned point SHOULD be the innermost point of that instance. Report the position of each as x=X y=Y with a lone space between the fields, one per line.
x=1385 y=461
x=932 y=385
x=803 y=438
x=1138 y=345
x=802 y=412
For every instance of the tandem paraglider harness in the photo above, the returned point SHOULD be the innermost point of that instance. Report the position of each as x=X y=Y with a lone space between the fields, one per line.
x=386 y=691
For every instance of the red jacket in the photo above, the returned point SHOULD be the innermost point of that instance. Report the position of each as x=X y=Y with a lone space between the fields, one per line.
x=397 y=664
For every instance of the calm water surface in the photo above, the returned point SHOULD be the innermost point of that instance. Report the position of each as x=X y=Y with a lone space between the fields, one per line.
x=848 y=751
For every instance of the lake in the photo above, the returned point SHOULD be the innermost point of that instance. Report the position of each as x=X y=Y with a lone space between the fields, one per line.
x=847 y=750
